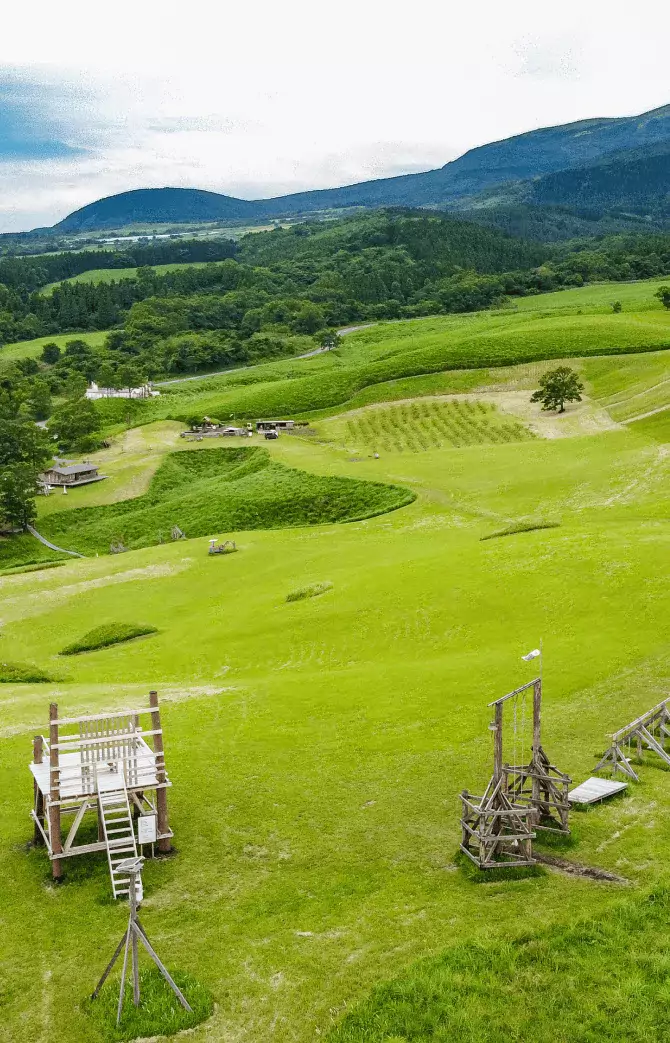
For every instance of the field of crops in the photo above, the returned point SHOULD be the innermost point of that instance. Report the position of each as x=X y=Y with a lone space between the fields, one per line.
x=426 y=424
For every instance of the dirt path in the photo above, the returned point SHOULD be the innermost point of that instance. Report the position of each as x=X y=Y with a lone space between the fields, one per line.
x=642 y=416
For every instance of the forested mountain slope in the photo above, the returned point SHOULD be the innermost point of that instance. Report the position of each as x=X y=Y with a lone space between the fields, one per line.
x=512 y=160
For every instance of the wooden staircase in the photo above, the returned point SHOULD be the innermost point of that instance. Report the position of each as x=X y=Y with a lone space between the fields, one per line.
x=119 y=835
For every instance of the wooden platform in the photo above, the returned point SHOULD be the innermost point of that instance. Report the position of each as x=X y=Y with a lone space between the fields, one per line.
x=595 y=789
x=79 y=779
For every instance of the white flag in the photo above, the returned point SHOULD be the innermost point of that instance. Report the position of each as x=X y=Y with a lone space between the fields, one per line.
x=531 y=655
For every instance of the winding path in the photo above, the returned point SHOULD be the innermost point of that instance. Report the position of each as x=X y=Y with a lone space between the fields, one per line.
x=238 y=369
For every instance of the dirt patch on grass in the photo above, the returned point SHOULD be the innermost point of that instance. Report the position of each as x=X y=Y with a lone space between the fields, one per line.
x=577 y=869
x=39 y=601
x=580 y=418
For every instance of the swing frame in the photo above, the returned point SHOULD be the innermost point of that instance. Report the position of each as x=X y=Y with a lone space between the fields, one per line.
x=498 y=828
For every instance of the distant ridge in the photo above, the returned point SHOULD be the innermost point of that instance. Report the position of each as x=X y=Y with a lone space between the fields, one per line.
x=157 y=205
x=516 y=165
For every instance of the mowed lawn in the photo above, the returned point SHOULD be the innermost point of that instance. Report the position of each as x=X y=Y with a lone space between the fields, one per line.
x=317 y=748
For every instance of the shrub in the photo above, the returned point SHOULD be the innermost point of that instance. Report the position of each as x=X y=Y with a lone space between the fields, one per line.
x=22 y=673
x=109 y=634
x=511 y=530
x=312 y=591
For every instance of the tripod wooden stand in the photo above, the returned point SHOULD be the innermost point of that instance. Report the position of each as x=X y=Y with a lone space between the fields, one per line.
x=134 y=933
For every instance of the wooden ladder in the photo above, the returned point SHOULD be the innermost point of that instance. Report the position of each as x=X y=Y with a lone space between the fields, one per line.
x=117 y=824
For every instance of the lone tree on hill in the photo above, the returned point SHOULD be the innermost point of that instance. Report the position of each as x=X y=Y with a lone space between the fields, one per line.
x=663 y=294
x=557 y=387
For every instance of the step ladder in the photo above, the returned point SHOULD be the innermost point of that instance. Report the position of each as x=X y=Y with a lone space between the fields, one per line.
x=119 y=835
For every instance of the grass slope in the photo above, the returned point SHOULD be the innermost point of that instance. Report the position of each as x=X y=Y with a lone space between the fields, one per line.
x=98 y=275
x=333 y=735
x=212 y=490
x=105 y=636
x=595 y=980
x=33 y=348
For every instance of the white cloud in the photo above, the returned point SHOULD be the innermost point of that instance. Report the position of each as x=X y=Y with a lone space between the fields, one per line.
x=264 y=98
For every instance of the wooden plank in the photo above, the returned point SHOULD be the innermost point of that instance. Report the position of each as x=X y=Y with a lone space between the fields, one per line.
x=97 y=717
x=75 y=825
x=164 y=845
x=595 y=789
x=616 y=736
x=510 y=695
x=72 y=742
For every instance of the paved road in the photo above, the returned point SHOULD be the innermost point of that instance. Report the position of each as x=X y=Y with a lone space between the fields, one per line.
x=238 y=369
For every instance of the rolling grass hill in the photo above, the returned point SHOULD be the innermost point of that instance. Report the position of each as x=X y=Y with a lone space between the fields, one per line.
x=332 y=736
x=569 y=324
x=98 y=275
x=27 y=349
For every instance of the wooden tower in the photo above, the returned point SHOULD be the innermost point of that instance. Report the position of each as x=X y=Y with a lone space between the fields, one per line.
x=499 y=827
x=102 y=765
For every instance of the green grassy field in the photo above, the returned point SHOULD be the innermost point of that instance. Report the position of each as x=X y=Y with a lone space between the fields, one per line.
x=318 y=744
x=98 y=275
x=25 y=349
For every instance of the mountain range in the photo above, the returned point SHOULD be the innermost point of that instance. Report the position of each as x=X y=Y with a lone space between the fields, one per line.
x=619 y=165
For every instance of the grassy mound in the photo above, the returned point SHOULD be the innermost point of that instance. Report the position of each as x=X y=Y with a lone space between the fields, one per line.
x=104 y=636
x=600 y=979
x=22 y=673
x=312 y=591
x=159 y=1012
x=512 y=530
x=425 y=424
x=215 y=490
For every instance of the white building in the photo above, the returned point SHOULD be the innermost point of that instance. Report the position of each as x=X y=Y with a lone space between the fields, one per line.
x=95 y=392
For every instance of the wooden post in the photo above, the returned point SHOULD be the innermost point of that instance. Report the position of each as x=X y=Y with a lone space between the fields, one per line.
x=54 y=793
x=164 y=845
x=38 y=756
x=132 y=896
x=498 y=743
x=537 y=716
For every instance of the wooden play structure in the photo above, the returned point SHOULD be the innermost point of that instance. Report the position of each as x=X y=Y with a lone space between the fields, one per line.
x=129 y=943
x=650 y=730
x=499 y=827
x=102 y=765
x=227 y=547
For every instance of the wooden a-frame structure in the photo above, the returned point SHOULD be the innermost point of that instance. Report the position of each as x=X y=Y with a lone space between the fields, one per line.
x=650 y=730
x=498 y=828
x=101 y=764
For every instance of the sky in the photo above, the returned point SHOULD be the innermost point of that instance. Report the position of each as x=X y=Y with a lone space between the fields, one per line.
x=263 y=98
